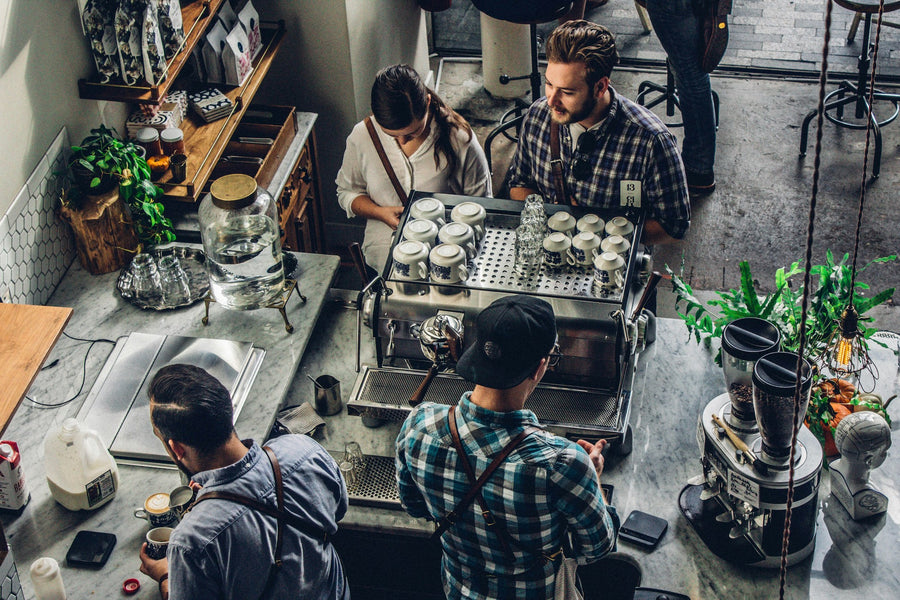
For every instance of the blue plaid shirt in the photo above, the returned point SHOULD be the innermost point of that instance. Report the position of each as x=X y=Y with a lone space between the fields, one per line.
x=632 y=144
x=546 y=486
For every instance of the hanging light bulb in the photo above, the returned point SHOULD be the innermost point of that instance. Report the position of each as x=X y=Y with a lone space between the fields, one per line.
x=846 y=353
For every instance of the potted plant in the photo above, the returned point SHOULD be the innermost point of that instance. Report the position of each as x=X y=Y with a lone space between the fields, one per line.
x=110 y=201
x=832 y=397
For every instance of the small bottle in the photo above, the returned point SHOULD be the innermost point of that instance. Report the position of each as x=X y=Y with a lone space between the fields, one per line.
x=148 y=137
x=47 y=580
x=14 y=493
x=172 y=141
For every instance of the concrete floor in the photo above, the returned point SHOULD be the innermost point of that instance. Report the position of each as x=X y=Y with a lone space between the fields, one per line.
x=761 y=208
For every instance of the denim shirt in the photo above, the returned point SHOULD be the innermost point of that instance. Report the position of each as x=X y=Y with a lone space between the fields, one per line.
x=222 y=549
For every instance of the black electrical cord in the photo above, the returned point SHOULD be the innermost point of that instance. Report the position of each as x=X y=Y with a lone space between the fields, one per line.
x=83 y=372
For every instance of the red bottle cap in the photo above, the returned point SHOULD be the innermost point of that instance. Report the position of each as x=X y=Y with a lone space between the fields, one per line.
x=131 y=586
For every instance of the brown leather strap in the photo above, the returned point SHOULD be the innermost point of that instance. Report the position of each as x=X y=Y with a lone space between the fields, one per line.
x=475 y=491
x=384 y=161
x=279 y=497
x=559 y=179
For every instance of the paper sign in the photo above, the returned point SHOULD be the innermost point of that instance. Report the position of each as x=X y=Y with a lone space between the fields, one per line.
x=630 y=193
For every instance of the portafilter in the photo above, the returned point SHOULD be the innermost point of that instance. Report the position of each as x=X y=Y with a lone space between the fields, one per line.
x=440 y=338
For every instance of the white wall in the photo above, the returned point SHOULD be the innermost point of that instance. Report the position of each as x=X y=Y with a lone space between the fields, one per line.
x=42 y=55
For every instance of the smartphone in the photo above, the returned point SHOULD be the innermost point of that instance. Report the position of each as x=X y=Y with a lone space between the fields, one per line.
x=643 y=529
x=90 y=549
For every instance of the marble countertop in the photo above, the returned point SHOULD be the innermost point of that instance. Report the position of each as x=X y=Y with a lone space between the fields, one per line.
x=45 y=528
x=676 y=379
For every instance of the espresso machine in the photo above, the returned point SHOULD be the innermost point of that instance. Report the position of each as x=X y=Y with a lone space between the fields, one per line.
x=738 y=504
x=421 y=327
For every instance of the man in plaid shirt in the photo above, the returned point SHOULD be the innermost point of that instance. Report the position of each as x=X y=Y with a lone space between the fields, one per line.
x=604 y=138
x=546 y=488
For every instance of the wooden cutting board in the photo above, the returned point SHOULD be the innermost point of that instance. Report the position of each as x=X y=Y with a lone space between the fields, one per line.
x=27 y=334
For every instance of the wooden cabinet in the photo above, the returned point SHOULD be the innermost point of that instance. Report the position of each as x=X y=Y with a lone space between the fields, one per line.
x=300 y=203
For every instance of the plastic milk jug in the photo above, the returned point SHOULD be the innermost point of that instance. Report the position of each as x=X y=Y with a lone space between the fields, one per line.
x=13 y=492
x=81 y=473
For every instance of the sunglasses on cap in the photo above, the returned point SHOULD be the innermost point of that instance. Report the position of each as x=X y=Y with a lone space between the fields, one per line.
x=581 y=166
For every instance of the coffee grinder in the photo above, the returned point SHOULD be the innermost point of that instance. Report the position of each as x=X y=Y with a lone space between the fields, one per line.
x=738 y=505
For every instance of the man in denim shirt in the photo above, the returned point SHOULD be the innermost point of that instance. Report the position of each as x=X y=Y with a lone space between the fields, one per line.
x=223 y=549
x=548 y=487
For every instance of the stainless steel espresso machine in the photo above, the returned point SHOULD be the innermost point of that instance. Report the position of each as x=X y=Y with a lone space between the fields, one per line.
x=421 y=327
x=738 y=505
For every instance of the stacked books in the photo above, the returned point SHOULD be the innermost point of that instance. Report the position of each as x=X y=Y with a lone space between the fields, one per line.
x=210 y=104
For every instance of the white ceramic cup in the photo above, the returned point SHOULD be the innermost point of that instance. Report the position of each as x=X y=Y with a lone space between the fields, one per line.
x=562 y=222
x=617 y=244
x=411 y=260
x=460 y=234
x=156 y=511
x=421 y=230
x=448 y=264
x=609 y=271
x=556 y=248
x=430 y=209
x=590 y=223
x=585 y=247
x=158 y=542
x=473 y=215
x=620 y=226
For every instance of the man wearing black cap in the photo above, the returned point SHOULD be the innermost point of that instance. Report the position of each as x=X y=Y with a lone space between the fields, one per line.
x=505 y=542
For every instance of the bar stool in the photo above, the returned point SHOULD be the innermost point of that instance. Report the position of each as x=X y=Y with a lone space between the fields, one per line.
x=848 y=92
x=523 y=12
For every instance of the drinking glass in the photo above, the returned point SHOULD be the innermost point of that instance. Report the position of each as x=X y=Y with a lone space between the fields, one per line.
x=173 y=281
x=529 y=251
x=534 y=216
x=353 y=454
x=351 y=477
x=145 y=277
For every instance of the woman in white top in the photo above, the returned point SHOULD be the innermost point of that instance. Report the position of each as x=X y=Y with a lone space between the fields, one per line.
x=429 y=145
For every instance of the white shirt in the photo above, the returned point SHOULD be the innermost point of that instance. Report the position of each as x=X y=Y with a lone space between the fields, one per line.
x=362 y=173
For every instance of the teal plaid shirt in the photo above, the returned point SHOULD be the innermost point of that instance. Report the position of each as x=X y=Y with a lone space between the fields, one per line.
x=546 y=487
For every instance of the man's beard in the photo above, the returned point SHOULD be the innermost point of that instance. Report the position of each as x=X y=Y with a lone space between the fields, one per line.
x=574 y=117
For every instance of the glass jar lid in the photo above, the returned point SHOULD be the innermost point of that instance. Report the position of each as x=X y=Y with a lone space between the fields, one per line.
x=750 y=338
x=172 y=134
x=146 y=134
x=233 y=191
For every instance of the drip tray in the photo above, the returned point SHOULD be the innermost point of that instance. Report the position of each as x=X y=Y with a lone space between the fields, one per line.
x=383 y=393
x=378 y=484
x=117 y=407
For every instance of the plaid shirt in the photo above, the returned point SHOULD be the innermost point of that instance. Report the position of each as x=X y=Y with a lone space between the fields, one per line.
x=632 y=144
x=545 y=487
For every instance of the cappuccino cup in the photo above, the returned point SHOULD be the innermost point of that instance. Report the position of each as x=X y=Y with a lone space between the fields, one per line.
x=411 y=260
x=158 y=542
x=609 y=271
x=585 y=246
x=562 y=222
x=556 y=248
x=430 y=209
x=421 y=230
x=448 y=264
x=617 y=244
x=473 y=215
x=156 y=511
x=620 y=226
x=590 y=223
x=460 y=234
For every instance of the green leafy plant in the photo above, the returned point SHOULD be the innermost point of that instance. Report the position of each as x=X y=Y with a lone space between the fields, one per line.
x=102 y=162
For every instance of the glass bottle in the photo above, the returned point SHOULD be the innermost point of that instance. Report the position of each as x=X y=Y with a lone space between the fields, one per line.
x=240 y=232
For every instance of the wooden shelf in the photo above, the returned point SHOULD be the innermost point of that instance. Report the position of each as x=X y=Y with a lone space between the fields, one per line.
x=197 y=17
x=205 y=142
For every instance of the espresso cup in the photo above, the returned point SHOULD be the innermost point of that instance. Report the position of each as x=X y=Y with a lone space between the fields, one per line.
x=448 y=264
x=460 y=234
x=562 y=222
x=156 y=511
x=620 y=226
x=609 y=271
x=158 y=542
x=421 y=230
x=617 y=244
x=590 y=223
x=180 y=500
x=411 y=260
x=430 y=209
x=556 y=247
x=473 y=215
x=585 y=247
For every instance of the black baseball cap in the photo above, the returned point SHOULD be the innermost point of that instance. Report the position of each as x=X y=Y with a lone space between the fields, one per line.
x=514 y=334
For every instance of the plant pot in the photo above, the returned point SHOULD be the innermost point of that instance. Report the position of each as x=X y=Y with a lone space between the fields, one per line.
x=82 y=178
x=104 y=234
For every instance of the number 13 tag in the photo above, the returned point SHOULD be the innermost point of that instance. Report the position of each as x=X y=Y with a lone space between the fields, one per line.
x=630 y=193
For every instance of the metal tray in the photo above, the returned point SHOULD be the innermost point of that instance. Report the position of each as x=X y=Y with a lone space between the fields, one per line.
x=192 y=260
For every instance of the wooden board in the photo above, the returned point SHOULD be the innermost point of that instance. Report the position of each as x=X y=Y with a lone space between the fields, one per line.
x=27 y=334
